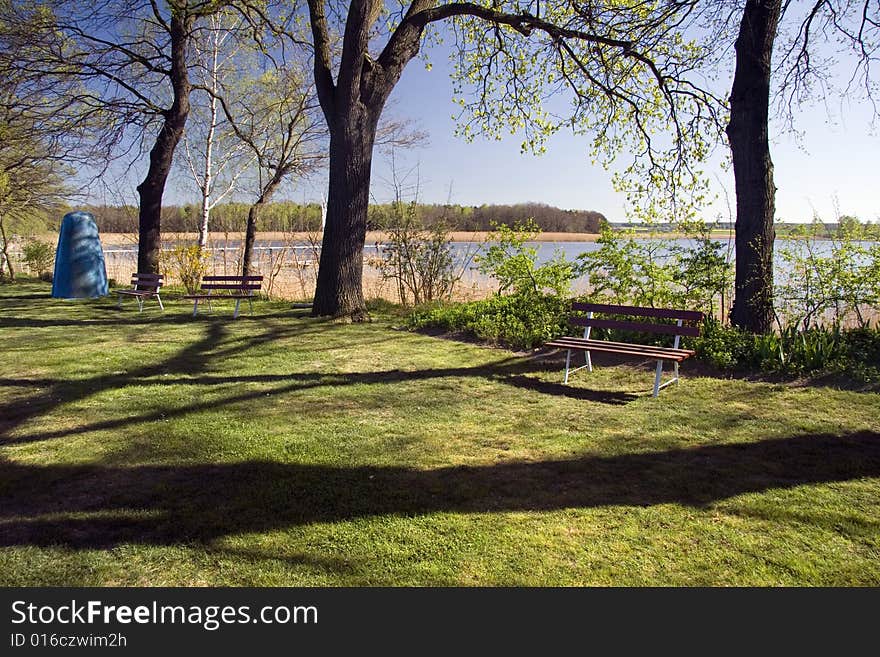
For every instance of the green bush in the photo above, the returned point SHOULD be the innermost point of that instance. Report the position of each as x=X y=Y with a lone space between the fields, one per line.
x=855 y=352
x=39 y=257
x=515 y=265
x=515 y=321
x=190 y=263
x=829 y=281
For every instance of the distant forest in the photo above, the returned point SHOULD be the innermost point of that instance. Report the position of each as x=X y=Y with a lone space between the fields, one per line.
x=288 y=216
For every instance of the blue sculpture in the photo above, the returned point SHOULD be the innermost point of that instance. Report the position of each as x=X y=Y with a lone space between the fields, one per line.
x=80 y=272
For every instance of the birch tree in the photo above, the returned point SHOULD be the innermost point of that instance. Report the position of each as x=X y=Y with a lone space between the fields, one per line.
x=215 y=156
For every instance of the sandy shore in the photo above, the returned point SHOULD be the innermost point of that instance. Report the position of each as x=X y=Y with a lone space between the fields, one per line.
x=128 y=239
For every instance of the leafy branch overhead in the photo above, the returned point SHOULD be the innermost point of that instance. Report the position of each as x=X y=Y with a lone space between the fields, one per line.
x=619 y=71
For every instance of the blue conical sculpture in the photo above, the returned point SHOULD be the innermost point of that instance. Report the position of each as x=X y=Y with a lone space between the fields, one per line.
x=80 y=272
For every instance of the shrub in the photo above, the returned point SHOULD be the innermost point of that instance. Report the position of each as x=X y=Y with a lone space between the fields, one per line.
x=794 y=351
x=828 y=281
x=420 y=261
x=515 y=321
x=39 y=256
x=660 y=271
x=515 y=266
x=190 y=263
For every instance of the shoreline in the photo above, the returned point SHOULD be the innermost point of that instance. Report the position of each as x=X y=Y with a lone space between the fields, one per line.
x=374 y=236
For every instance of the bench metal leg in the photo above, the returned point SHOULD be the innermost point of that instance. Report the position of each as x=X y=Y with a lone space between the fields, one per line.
x=659 y=386
x=140 y=301
x=237 y=304
x=195 y=307
x=657 y=377
x=568 y=368
x=159 y=299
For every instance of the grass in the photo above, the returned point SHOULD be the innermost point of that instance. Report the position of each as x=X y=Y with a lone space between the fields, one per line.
x=277 y=449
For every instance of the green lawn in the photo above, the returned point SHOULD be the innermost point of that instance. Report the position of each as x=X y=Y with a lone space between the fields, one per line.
x=161 y=449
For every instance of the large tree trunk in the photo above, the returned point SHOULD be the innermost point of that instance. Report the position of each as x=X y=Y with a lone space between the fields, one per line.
x=162 y=153
x=352 y=106
x=339 y=289
x=752 y=167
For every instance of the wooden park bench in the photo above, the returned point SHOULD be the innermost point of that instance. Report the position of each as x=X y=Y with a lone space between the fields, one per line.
x=143 y=287
x=649 y=352
x=227 y=287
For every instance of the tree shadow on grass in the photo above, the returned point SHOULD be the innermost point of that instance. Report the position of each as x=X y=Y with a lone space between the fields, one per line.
x=110 y=315
x=86 y=506
x=193 y=359
x=188 y=370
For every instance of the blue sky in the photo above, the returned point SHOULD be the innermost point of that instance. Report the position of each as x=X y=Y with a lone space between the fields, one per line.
x=835 y=162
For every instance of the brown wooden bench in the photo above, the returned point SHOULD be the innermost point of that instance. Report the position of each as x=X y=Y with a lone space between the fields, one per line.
x=226 y=287
x=143 y=287
x=661 y=354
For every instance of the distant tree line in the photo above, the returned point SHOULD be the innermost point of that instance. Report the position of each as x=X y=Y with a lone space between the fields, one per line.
x=289 y=216
x=483 y=217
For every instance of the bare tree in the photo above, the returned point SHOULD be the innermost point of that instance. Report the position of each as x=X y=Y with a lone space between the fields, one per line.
x=274 y=116
x=131 y=62
x=277 y=115
x=213 y=153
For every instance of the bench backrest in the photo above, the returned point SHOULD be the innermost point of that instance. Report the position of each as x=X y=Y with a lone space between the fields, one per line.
x=241 y=284
x=146 y=282
x=678 y=329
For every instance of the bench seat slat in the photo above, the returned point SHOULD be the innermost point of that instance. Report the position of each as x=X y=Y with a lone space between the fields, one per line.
x=586 y=343
x=231 y=286
x=137 y=293
x=216 y=297
x=234 y=279
x=676 y=355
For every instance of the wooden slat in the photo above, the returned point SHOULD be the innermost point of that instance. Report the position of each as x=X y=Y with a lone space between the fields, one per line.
x=658 y=355
x=217 y=297
x=231 y=286
x=581 y=343
x=638 y=354
x=147 y=277
x=642 y=311
x=642 y=327
x=232 y=278
x=136 y=293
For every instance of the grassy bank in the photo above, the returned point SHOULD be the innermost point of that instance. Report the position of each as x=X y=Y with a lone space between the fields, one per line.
x=159 y=449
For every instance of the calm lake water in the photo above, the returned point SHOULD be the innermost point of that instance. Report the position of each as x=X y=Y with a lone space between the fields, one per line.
x=546 y=250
